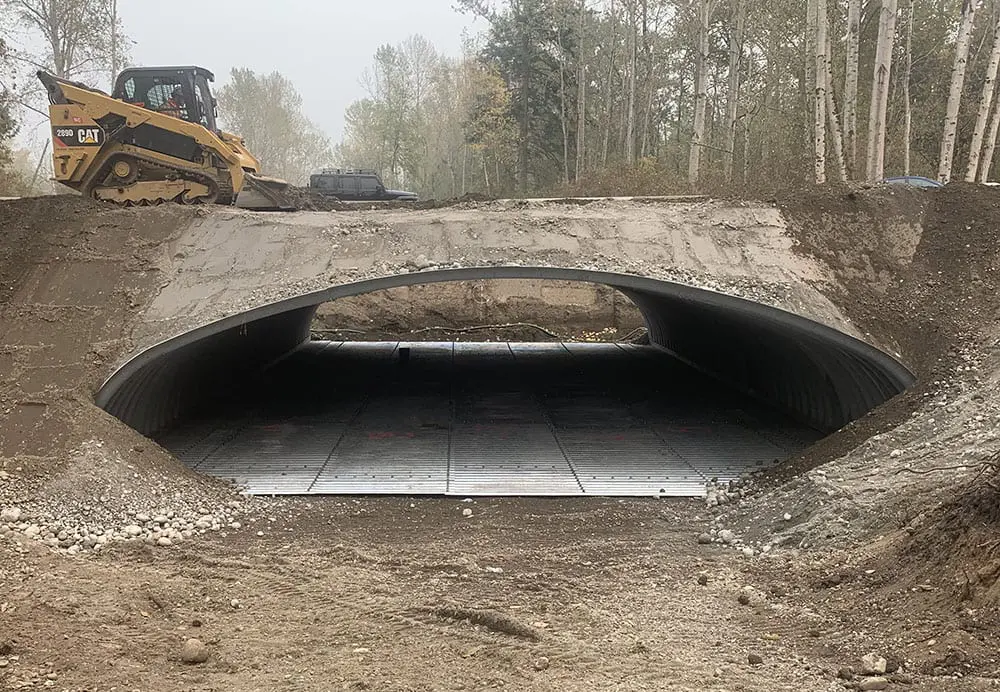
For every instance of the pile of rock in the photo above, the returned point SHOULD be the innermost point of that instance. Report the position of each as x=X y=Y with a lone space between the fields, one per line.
x=717 y=494
x=161 y=528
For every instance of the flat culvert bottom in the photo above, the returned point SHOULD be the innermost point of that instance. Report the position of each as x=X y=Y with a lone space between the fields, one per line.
x=485 y=419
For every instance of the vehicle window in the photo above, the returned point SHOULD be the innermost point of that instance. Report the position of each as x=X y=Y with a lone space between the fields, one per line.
x=158 y=98
x=349 y=185
x=369 y=184
x=202 y=111
x=130 y=88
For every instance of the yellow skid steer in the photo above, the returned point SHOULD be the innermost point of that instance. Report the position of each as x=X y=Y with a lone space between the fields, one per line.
x=154 y=139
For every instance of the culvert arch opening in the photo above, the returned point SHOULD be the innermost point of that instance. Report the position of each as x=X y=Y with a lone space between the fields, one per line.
x=722 y=387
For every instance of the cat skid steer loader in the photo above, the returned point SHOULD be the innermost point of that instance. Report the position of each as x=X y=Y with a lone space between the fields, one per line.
x=154 y=139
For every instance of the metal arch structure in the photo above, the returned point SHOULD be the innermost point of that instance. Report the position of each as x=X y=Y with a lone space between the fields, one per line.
x=820 y=376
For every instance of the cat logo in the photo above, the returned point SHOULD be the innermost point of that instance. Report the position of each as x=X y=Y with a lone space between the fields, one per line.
x=87 y=136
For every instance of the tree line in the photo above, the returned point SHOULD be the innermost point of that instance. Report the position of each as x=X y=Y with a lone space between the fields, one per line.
x=657 y=95
x=605 y=96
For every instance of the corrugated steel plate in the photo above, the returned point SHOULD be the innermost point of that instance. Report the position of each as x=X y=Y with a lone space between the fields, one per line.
x=488 y=419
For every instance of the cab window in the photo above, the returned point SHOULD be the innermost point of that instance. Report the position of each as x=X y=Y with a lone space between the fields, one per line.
x=202 y=109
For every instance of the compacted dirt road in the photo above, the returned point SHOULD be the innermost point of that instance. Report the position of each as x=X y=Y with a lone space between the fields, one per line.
x=870 y=562
x=395 y=594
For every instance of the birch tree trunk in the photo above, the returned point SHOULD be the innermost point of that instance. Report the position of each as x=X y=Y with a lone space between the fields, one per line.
x=563 y=111
x=907 y=103
x=818 y=24
x=851 y=85
x=633 y=62
x=991 y=142
x=523 y=146
x=880 y=91
x=733 y=91
x=985 y=102
x=581 y=97
x=701 y=91
x=836 y=134
x=809 y=82
x=650 y=82
x=114 y=43
x=609 y=114
x=955 y=95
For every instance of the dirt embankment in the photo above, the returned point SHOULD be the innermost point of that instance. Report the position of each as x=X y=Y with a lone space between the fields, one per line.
x=511 y=310
x=73 y=277
x=904 y=500
x=902 y=531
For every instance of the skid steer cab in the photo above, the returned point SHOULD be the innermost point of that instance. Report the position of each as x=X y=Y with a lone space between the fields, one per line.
x=155 y=139
x=180 y=92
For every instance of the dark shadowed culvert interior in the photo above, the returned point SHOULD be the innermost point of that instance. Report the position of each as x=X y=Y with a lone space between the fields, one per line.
x=724 y=386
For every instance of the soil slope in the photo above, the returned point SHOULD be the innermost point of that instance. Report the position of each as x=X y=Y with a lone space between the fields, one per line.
x=881 y=540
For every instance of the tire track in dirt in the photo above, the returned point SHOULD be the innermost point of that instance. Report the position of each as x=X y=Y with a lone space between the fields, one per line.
x=310 y=588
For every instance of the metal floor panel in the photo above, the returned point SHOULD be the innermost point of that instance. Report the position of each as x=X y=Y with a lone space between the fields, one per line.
x=485 y=419
x=629 y=461
x=508 y=459
x=386 y=463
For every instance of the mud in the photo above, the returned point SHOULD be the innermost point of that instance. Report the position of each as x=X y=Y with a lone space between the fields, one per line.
x=880 y=539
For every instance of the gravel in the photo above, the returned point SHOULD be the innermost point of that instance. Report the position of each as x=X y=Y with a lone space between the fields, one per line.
x=100 y=500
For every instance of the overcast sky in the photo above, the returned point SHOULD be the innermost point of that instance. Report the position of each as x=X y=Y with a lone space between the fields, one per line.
x=323 y=46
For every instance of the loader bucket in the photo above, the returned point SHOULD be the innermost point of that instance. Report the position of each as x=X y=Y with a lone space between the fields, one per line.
x=261 y=193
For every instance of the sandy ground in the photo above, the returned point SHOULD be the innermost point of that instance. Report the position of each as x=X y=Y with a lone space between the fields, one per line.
x=882 y=539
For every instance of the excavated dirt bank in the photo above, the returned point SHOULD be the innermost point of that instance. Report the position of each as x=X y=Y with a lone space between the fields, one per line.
x=879 y=540
x=511 y=310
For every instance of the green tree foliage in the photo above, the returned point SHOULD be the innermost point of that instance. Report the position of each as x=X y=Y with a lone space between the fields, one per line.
x=562 y=94
x=266 y=111
x=435 y=125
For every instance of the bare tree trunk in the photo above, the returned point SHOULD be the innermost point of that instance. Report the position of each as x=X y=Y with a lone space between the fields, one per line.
x=746 y=149
x=610 y=98
x=817 y=22
x=907 y=102
x=880 y=91
x=831 y=102
x=633 y=64
x=563 y=115
x=114 y=42
x=701 y=91
x=955 y=95
x=647 y=53
x=986 y=164
x=486 y=173
x=523 y=145
x=985 y=102
x=581 y=98
x=733 y=90
x=808 y=82
x=851 y=85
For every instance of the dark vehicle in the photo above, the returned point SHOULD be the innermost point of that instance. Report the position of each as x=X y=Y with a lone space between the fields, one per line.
x=913 y=181
x=351 y=185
